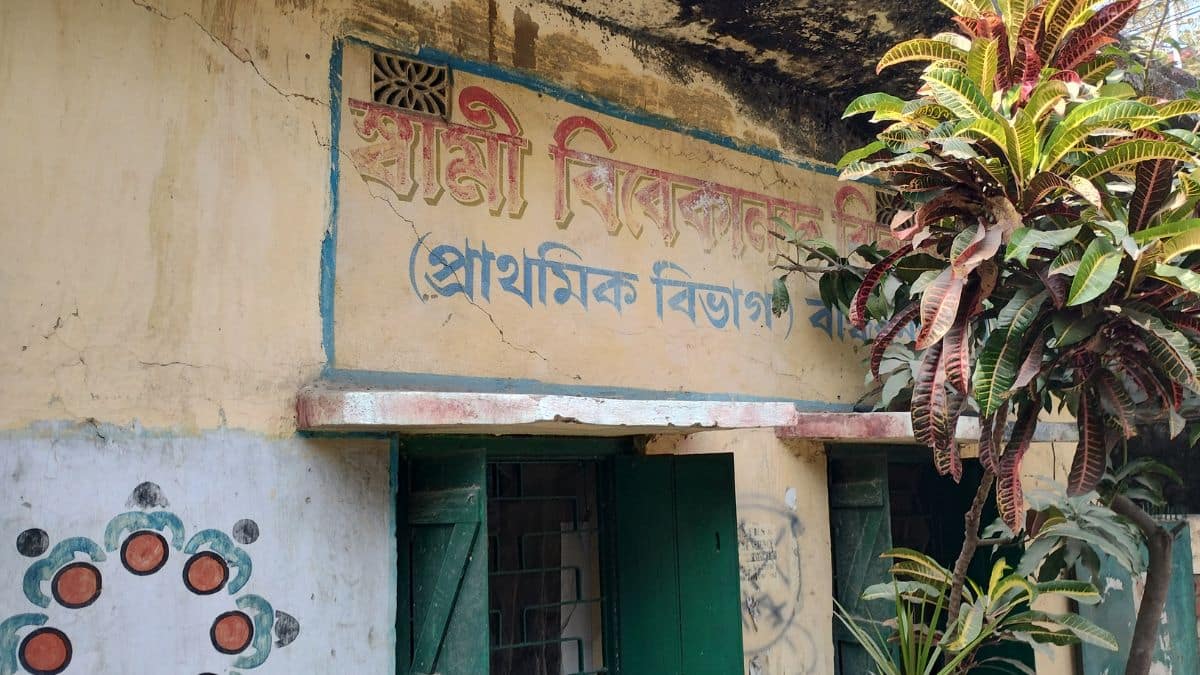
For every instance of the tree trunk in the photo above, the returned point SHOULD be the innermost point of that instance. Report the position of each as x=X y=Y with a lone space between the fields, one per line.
x=970 y=543
x=1158 y=581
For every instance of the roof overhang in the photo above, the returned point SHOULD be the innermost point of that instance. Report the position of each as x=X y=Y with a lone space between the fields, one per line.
x=339 y=407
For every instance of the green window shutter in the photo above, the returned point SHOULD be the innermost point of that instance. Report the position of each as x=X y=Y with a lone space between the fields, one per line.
x=860 y=528
x=1177 y=643
x=710 y=590
x=444 y=506
x=677 y=569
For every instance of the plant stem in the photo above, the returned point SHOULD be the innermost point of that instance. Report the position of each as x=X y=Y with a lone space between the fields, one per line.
x=1158 y=581
x=1154 y=45
x=970 y=543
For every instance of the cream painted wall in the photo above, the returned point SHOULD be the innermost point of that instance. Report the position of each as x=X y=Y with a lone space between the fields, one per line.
x=1046 y=463
x=170 y=190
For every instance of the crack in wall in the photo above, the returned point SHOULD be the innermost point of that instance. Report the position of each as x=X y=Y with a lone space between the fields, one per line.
x=232 y=52
x=165 y=364
x=412 y=224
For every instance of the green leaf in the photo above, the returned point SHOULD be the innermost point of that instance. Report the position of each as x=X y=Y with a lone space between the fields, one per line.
x=1177 y=108
x=968 y=8
x=1128 y=153
x=953 y=89
x=1079 y=591
x=1097 y=270
x=1088 y=118
x=780 y=300
x=1078 y=626
x=861 y=153
x=909 y=569
x=912 y=589
x=1121 y=90
x=1184 y=278
x=1025 y=239
x=902 y=553
x=970 y=625
x=902 y=137
x=996 y=367
x=1070 y=329
x=982 y=62
x=921 y=49
x=1181 y=244
x=1044 y=97
x=1171 y=229
x=1067 y=261
x=1042 y=635
x=1170 y=349
x=1025 y=144
x=885 y=107
x=1013 y=12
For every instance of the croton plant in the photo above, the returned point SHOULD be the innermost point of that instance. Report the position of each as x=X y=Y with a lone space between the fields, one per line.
x=1048 y=243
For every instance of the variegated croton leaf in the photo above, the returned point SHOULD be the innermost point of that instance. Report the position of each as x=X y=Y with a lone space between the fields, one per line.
x=1050 y=237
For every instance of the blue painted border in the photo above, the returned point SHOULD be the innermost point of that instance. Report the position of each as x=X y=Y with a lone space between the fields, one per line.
x=436 y=382
x=329 y=242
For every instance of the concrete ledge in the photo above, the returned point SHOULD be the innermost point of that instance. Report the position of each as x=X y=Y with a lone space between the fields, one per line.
x=340 y=407
x=887 y=427
x=322 y=407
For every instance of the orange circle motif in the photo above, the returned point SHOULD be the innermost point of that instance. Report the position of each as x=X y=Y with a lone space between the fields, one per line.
x=144 y=552
x=76 y=585
x=205 y=573
x=231 y=632
x=45 y=651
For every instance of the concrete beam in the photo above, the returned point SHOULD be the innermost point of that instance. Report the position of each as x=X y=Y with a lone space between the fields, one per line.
x=894 y=427
x=339 y=407
x=322 y=407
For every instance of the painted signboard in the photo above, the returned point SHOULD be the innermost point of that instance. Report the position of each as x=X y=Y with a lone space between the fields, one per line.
x=490 y=228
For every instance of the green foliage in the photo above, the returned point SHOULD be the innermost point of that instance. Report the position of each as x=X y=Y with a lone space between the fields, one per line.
x=1049 y=242
x=920 y=643
x=1066 y=535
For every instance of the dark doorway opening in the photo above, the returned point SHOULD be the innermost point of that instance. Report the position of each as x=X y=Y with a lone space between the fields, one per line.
x=545 y=599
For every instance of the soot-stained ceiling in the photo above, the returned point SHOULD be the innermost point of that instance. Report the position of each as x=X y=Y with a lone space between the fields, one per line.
x=793 y=64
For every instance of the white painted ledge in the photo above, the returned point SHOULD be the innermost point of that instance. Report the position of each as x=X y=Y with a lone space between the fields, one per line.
x=339 y=407
x=325 y=407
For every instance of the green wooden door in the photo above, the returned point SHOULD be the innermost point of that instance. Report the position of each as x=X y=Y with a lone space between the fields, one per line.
x=677 y=568
x=860 y=528
x=443 y=503
x=1176 y=651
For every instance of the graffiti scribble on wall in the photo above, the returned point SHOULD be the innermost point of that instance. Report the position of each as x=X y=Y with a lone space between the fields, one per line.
x=772 y=585
x=143 y=541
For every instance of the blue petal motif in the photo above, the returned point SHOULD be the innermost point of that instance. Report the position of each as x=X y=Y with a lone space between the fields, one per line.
x=264 y=617
x=137 y=520
x=44 y=569
x=221 y=544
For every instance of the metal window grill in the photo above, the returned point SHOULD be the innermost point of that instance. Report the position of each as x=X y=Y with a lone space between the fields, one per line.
x=545 y=604
x=404 y=83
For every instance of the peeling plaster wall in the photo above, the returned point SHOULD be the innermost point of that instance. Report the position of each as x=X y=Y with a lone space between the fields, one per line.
x=167 y=196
